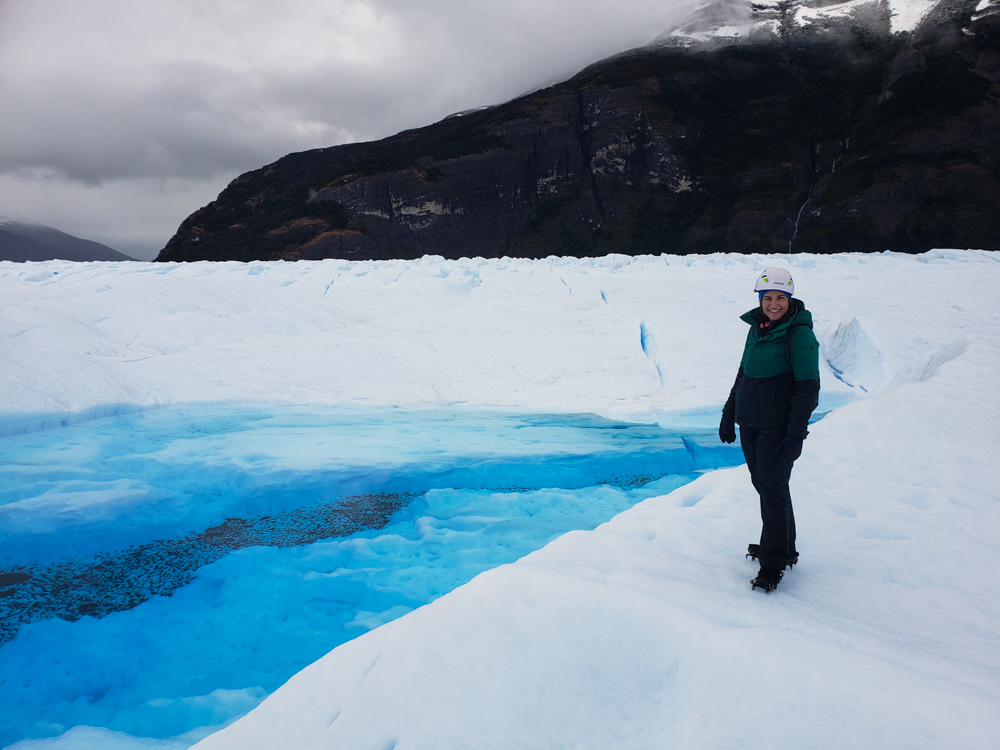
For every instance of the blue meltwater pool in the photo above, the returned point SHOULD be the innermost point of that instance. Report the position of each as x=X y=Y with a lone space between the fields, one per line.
x=163 y=571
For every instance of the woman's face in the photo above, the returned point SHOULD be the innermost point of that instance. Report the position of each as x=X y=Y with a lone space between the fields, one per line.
x=774 y=305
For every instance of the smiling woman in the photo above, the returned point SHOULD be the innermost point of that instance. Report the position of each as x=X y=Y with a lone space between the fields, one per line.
x=774 y=305
x=776 y=391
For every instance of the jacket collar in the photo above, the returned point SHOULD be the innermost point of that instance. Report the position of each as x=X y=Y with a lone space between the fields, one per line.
x=796 y=315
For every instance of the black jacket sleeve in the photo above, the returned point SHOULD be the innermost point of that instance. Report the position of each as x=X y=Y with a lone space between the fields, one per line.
x=729 y=410
x=805 y=398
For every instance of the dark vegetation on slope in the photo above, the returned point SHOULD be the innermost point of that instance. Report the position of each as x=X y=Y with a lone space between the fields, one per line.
x=850 y=140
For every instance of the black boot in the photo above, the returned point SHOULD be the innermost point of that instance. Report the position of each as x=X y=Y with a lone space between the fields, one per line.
x=767 y=579
x=753 y=552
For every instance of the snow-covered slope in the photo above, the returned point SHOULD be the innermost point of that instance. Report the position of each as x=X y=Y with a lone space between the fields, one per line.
x=618 y=336
x=644 y=632
x=734 y=20
x=986 y=9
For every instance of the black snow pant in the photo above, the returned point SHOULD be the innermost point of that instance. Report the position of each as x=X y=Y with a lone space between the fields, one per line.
x=770 y=478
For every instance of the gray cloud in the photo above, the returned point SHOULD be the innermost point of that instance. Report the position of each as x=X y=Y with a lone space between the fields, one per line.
x=136 y=112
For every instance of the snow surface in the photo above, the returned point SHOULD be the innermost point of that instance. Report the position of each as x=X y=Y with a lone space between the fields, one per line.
x=643 y=632
x=907 y=14
x=561 y=335
x=986 y=8
x=807 y=14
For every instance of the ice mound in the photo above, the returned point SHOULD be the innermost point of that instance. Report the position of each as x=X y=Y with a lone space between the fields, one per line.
x=854 y=357
x=927 y=366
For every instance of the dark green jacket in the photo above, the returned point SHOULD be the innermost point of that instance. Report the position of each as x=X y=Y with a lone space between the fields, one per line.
x=777 y=386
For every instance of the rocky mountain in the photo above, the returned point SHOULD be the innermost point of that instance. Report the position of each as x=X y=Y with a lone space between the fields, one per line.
x=20 y=241
x=761 y=126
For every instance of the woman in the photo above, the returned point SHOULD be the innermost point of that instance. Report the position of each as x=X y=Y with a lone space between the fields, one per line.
x=776 y=390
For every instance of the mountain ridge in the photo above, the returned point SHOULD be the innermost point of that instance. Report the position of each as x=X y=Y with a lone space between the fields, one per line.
x=840 y=137
x=22 y=241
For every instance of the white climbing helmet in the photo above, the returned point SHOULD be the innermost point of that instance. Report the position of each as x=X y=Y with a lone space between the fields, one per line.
x=777 y=279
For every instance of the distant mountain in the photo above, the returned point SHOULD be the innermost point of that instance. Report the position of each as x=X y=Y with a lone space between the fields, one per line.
x=21 y=241
x=763 y=126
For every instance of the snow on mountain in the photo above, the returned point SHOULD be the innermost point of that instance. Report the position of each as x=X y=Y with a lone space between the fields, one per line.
x=732 y=20
x=907 y=14
x=986 y=8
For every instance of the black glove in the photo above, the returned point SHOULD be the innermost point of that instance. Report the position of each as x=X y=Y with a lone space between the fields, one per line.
x=727 y=428
x=789 y=449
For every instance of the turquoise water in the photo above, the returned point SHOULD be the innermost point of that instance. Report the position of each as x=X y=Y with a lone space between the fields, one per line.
x=165 y=570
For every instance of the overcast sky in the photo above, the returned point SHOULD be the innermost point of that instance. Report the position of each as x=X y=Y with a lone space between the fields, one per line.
x=119 y=118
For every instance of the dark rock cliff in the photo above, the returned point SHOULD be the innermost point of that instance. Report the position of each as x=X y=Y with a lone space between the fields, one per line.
x=856 y=141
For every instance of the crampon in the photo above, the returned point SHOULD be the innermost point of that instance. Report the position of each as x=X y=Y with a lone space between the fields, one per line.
x=767 y=580
x=753 y=552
